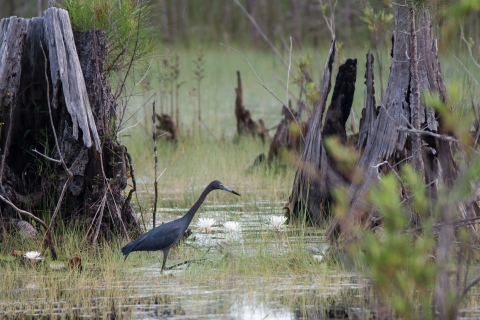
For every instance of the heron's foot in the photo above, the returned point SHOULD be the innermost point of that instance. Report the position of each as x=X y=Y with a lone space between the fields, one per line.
x=186 y=262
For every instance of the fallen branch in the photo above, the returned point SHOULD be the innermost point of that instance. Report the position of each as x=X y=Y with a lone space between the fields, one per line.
x=23 y=212
x=428 y=133
x=186 y=262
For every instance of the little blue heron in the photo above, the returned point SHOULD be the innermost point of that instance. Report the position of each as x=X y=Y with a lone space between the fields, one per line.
x=168 y=234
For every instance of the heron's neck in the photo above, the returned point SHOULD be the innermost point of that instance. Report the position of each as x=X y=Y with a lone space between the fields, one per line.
x=191 y=213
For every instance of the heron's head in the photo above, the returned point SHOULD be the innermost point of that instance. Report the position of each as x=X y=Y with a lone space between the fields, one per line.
x=219 y=185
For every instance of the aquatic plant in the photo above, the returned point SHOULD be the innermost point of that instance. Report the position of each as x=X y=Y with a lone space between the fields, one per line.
x=32 y=255
x=233 y=231
x=276 y=223
x=205 y=225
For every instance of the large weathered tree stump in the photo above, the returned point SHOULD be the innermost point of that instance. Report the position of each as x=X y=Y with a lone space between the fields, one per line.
x=382 y=136
x=48 y=70
x=303 y=198
x=330 y=173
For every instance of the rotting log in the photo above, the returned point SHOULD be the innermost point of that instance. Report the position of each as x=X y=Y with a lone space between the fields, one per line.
x=245 y=124
x=81 y=104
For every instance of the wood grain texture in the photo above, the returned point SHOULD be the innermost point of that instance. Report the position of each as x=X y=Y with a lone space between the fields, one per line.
x=66 y=72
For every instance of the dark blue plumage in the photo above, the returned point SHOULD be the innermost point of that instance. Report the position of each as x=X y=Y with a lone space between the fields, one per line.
x=168 y=234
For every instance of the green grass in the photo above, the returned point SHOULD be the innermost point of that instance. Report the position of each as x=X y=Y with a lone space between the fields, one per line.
x=106 y=284
x=218 y=94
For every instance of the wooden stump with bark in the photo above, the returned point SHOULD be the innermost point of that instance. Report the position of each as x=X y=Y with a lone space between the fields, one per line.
x=245 y=124
x=386 y=135
x=290 y=134
x=52 y=92
x=319 y=173
x=166 y=127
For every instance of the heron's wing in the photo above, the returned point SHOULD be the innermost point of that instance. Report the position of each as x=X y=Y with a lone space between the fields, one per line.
x=160 y=238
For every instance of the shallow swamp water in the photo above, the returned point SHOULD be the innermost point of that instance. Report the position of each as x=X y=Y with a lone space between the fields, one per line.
x=203 y=290
x=292 y=280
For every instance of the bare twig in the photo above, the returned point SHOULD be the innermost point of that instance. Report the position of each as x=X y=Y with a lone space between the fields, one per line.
x=469 y=287
x=48 y=232
x=330 y=21
x=48 y=158
x=109 y=189
x=467 y=71
x=130 y=127
x=132 y=175
x=428 y=133
x=282 y=83
x=161 y=174
x=260 y=32
x=99 y=224
x=392 y=168
x=146 y=72
x=289 y=65
x=155 y=183
x=23 y=212
x=86 y=236
x=139 y=108
x=462 y=37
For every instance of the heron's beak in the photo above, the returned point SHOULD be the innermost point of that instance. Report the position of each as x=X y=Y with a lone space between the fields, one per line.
x=224 y=187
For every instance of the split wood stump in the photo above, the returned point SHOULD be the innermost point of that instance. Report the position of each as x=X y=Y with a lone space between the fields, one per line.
x=317 y=174
x=52 y=88
x=384 y=138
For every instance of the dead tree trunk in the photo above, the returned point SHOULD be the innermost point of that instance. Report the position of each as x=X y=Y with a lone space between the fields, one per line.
x=81 y=103
x=290 y=134
x=308 y=199
x=386 y=138
x=245 y=123
x=369 y=111
x=331 y=171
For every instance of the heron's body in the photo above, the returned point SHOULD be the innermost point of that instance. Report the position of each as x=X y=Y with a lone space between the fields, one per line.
x=168 y=234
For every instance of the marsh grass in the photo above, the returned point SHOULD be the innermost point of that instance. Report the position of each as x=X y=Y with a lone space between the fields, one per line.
x=218 y=94
x=109 y=286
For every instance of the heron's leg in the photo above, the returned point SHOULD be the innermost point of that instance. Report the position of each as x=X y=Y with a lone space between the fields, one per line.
x=165 y=255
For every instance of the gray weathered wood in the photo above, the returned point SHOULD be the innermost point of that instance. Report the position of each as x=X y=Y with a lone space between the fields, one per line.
x=307 y=183
x=385 y=142
x=80 y=97
x=12 y=38
x=369 y=111
x=65 y=70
